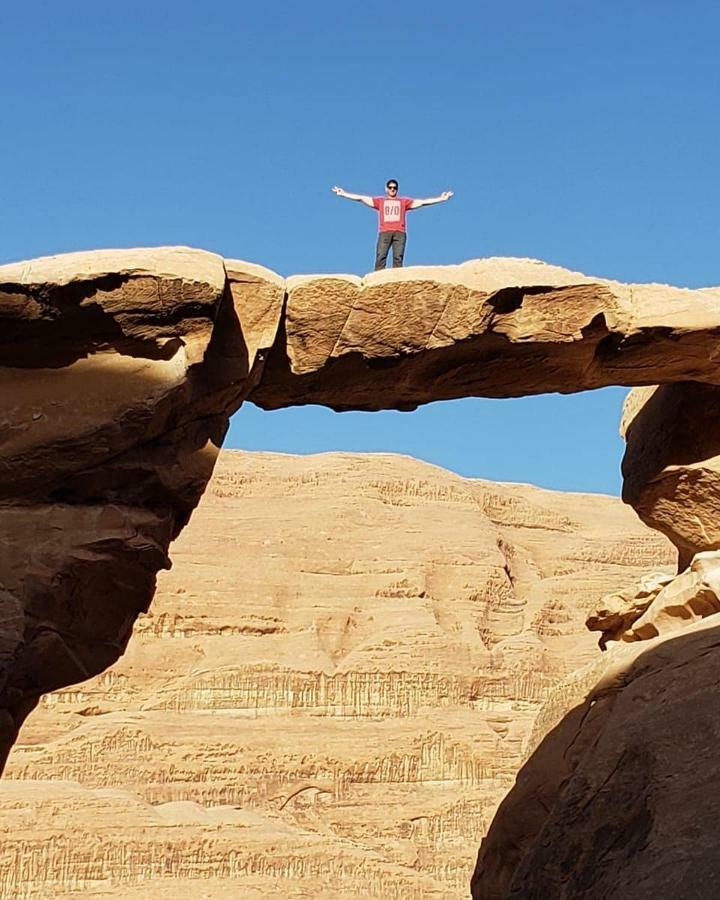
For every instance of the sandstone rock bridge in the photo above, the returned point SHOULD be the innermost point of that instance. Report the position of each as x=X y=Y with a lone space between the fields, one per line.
x=119 y=371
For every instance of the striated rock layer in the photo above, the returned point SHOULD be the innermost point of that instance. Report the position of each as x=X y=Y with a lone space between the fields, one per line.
x=332 y=690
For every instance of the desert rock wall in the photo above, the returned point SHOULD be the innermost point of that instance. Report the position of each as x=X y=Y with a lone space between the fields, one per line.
x=334 y=687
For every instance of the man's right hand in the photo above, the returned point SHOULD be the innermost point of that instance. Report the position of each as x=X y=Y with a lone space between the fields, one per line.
x=368 y=201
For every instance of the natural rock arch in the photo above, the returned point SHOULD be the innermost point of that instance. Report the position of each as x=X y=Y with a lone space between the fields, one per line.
x=120 y=370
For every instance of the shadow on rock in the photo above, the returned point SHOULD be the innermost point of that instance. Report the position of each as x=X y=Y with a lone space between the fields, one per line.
x=620 y=800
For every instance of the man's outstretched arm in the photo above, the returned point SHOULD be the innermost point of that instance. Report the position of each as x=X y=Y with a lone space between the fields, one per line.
x=368 y=201
x=446 y=195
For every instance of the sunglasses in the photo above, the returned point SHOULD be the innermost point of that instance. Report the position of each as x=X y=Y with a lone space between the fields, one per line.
x=392 y=187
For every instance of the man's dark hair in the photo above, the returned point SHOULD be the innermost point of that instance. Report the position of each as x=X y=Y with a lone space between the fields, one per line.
x=391 y=182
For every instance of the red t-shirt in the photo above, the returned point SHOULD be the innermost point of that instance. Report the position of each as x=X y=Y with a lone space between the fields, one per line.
x=391 y=212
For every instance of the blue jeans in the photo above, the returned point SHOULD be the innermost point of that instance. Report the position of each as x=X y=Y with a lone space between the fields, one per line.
x=387 y=239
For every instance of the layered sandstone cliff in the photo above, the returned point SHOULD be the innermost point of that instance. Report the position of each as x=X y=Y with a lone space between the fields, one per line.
x=331 y=692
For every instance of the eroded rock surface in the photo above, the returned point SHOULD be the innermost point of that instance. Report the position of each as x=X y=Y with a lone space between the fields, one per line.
x=491 y=328
x=118 y=370
x=671 y=468
x=662 y=603
x=332 y=690
x=620 y=799
x=617 y=613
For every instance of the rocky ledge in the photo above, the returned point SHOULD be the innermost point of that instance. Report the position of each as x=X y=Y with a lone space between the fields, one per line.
x=486 y=328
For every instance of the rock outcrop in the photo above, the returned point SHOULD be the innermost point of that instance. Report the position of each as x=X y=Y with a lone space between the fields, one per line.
x=119 y=370
x=620 y=799
x=662 y=604
x=617 y=613
x=488 y=328
x=331 y=692
x=671 y=468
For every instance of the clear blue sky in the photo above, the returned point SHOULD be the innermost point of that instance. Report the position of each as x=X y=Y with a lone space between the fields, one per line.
x=582 y=133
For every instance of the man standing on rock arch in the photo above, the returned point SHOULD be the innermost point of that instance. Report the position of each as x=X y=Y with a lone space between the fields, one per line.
x=391 y=219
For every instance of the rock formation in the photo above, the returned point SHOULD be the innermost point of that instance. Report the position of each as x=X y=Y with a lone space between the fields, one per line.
x=620 y=799
x=671 y=467
x=607 y=803
x=119 y=370
x=332 y=690
x=618 y=612
x=489 y=328
x=662 y=604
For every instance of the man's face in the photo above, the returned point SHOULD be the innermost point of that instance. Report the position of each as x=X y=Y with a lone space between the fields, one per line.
x=391 y=189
